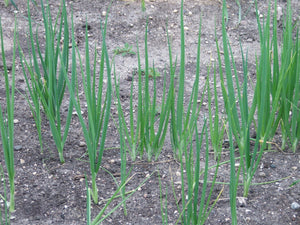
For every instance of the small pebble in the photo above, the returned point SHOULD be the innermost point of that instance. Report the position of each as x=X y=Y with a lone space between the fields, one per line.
x=129 y=78
x=22 y=161
x=82 y=144
x=242 y=201
x=261 y=174
x=279 y=12
x=17 y=147
x=16 y=121
x=295 y=205
x=76 y=114
x=273 y=166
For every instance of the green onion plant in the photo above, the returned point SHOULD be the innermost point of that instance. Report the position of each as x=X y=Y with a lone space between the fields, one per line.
x=195 y=207
x=277 y=79
x=98 y=103
x=286 y=69
x=132 y=133
x=216 y=131
x=4 y=219
x=163 y=202
x=269 y=93
x=240 y=115
x=183 y=123
x=7 y=118
x=46 y=83
x=153 y=139
x=263 y=84
x=150 y=129
x=101 y=216
x=234 y=177
x=123 y=150
x=295 y=121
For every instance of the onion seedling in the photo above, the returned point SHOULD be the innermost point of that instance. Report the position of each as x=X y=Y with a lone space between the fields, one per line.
x=276 y=89
x=216 y=132
x=277 y=79
x=153 y=139
x=295 y=121
x=240 y=115
x=4 y=198
x=123 y=150
x=183 y=124
x=150 y=130
x=7 y=118
x=46 y=84
x=195 y=207
x=100 y=216
x=286 y=68
x=163 y=203
x=98 y=105
x=239 y=119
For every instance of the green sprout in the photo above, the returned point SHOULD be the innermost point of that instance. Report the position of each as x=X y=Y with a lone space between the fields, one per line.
x=46 y=83
x=153 y=73
x=7 y=119
x=126 y=50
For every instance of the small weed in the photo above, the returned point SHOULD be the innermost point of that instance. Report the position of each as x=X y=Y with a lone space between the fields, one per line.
x=153 y=72
x=126 y=50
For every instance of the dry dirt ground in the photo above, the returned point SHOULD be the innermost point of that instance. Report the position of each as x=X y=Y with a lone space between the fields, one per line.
x=48 y=192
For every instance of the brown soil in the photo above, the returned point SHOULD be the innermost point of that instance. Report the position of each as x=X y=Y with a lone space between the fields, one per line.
x=48 y=192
